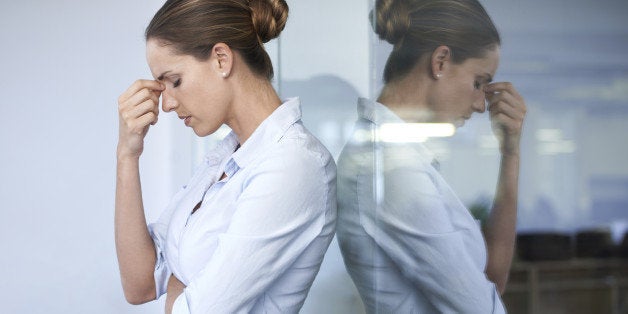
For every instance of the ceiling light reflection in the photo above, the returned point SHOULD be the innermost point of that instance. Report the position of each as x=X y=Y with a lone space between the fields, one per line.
x=414 y=132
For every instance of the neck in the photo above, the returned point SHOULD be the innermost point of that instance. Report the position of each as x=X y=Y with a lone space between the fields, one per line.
x=408 y=97
x=254 y=100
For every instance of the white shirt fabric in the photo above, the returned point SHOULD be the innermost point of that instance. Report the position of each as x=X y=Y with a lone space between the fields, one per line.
x=408 y=242
x=259 y=237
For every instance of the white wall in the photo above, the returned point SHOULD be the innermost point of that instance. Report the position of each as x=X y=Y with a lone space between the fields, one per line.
x=63 y=65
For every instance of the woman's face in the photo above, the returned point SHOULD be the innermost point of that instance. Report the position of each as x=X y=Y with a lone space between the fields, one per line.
x=194 y=89
x=460 y=91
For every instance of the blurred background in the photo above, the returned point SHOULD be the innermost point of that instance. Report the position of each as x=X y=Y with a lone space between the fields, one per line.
x=63 y=64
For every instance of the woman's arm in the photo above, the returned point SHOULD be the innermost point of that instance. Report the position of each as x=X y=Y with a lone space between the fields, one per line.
x=138 y=108
x=175 y=288
x=507 y=109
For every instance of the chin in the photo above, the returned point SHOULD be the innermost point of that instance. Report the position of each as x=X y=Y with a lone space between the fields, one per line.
x=205 y=131
x=459 y=123
x=201 y=133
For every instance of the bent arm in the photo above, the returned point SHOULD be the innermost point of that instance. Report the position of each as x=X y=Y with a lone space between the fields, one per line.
x=138 y=109
x=134 y=246
x=507 y=109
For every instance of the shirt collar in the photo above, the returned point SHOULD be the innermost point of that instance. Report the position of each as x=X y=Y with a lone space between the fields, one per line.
x=271 y=130
x=225 y=148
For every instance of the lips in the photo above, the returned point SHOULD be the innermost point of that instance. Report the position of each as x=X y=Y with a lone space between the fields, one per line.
x=186 y=119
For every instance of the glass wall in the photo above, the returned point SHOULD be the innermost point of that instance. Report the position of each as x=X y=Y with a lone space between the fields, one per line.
x=568 y=59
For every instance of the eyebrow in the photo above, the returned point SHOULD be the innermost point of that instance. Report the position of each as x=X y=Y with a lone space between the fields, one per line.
x=161 y=77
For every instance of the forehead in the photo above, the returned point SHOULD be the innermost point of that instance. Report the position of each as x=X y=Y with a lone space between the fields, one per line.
x=487 y=64
x=161 y=57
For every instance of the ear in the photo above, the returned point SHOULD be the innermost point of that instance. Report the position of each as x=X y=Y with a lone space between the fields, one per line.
x=439 y=61
x=223 y=59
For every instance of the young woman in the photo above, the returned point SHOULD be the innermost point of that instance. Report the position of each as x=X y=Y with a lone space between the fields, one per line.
x=408 y=242
x=249 y=231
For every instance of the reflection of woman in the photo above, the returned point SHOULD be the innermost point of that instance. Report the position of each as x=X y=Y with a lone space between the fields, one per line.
x=408 y=242
x=249 y=231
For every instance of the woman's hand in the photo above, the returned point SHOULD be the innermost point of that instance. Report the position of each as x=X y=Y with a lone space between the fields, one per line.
x=507 y=109
x=138 y=108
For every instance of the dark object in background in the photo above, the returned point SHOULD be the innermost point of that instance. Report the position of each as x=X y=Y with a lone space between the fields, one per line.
x=544 y=246
x=594 y=243
x=622 y=250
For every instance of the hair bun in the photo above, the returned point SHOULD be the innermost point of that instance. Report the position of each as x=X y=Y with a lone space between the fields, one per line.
x=269 y=17
x=392 y=20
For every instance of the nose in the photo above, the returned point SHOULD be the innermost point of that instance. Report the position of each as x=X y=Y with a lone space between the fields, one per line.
x=168 y=103
x=479 y=105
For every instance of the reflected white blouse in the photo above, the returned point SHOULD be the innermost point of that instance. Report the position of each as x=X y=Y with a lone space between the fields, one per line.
x=256 y=243
x=408 y=242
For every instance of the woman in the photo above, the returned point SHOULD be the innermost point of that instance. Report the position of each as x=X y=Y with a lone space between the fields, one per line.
x=408 y=242
x=249 y=231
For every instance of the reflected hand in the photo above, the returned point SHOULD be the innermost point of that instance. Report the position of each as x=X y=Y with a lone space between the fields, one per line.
x=138 y=108
x=507 y=111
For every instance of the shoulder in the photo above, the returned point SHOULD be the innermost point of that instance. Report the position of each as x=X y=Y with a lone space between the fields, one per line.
x=300 y=149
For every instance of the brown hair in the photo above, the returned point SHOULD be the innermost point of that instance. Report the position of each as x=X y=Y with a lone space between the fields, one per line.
x=418 y=27
x=193 y=27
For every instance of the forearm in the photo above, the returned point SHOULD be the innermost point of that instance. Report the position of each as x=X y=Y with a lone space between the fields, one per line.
x=134 y=246
x=501 y=224
x=175 y=288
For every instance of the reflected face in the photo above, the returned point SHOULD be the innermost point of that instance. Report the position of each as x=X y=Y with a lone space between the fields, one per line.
x=193 y=88
x=462 y=93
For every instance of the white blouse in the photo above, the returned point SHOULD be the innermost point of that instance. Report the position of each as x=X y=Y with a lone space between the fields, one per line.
x=259 y=237
x=408 y=242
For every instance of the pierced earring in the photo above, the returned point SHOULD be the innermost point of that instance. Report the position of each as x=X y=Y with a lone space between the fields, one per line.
x=439 y=75
x=224 y=74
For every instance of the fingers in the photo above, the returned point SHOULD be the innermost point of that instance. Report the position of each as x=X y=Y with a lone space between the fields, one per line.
x=138 y=106
x=138 y=85
x=144 y=99
x=507 y=111
x=145 y=108
x=502 y=87
x=505 y=102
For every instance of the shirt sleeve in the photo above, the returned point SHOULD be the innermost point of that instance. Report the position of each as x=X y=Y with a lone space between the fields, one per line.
x=414 y=226
x=162 y=272
x=158 y=231
x=280 y=212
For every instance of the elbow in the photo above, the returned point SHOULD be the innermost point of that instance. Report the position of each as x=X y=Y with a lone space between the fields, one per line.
x=501 y=287
x=500 y=279
x=137 y=299
x=137 y=296
x=500 y=283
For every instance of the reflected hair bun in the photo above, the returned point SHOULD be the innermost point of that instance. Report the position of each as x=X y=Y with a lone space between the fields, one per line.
x=392 y=20
x=269 y=18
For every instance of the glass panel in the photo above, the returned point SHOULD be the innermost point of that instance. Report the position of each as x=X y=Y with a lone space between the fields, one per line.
x=573 y=183
x=568 y=60
x=325 y=53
